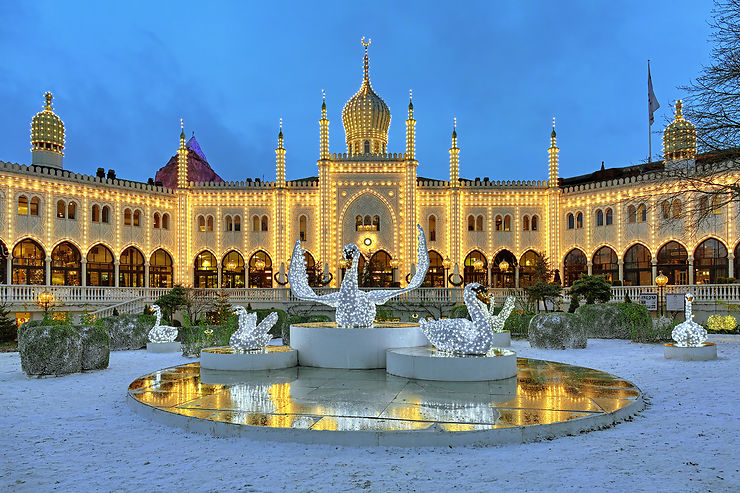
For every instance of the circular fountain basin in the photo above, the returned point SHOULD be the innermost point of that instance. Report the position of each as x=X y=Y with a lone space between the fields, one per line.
x=163 y=347
x=707 y=351
x=428 y=363
x=325 y=345
x=228 y=358
x=501 y=339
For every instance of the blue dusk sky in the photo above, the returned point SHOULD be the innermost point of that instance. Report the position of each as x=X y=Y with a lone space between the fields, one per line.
x=124 y=73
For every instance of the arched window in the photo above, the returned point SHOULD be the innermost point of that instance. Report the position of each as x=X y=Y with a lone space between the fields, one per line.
x=4 y=254
x=35 y=209
x=368 y=221
x=527 y=268
x=23 y=205
x=367 y=147
x=66 y=268
x=229 y=224
x=631 y=214
x=471 y=223
x=574 y=266
x=100 y=270
x=160 y=270
x=72 y=210
x=255 y=223
x=313 y=274
x=605 y=264
x=579 y=220
x=209 y=223
x=201 y=224
x=717 y=203
x=260 y=270
x=61 y=209
x=673 y=262
x=432 y=228
x=435 y=277
x=379 y=272
x=131 y=268
x=609 y=217
x=507 y=223
x=535 y=223
x=165 y=221
x=479 y=223
x=503 y=278
x=704 y=205
x=358 y=223
x=156 y=220
x=127 y=217
x=525 y=223
x=498 y=223
x=137 y=218
x=599 y=217
x=302 y=227
x=638 y=268
x=206 y=271
x=96 y=213
x=105 y=215
x=665 y=207
x=641 y=213
x=677 y=208
x=264 y=223
x=232 y=270
x=571 y=221
x=475 y=268
x=376 y=223
x=237 y=223
x=29 y=263
x=710 y=261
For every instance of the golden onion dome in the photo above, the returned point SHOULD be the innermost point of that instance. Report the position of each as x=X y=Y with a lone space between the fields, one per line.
x=679 y=137
x=47 y=130
x=366 y=118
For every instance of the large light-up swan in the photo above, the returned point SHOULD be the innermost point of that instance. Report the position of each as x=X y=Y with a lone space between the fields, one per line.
x=689 y=333
x=251 y=336
x=460 y=335
x=161 y=333
x=355 y=308
x=497 y=321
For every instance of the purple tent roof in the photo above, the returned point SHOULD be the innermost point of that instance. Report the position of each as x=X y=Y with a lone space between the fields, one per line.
x=195 y=147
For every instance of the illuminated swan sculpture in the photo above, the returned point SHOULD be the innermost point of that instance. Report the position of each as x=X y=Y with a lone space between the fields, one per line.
x=355 y=308
x=460 y=335
x=251 y=336
x=689 y=333
x=497 y=321
x=161 y=333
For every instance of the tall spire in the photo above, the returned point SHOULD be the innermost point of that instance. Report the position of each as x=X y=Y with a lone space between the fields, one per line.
x=323 y=130
x=454 y=157
x=366 y=77
x=411 y=131
x=48 y=97
x=552 y=152
x=280 y=159
x=182 y=160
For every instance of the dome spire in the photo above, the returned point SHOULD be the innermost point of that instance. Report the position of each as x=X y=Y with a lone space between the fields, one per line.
x=48 y=97
x=679 y=137
x=47 y=137
x=366 y=77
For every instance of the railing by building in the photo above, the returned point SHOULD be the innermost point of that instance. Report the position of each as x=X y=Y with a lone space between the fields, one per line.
x=130 y=306
x=106 y=297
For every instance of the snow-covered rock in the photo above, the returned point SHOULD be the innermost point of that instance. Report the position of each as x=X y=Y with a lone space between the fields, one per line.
x=50 y=349
x=95 y=347
x=127 y=331
x=557 y=331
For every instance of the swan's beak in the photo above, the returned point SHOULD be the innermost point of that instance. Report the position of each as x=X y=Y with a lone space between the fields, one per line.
x=484 y=297
x=690 y=298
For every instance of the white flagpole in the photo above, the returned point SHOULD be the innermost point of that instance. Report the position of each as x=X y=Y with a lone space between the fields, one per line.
x=650 y=135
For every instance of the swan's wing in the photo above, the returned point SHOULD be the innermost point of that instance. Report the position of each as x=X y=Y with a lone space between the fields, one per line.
x=266 y=324
x=422 y=264
x=298 y=279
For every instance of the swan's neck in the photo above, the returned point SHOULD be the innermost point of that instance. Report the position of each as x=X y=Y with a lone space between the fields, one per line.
x=475 y=309
x=350 y=276
x=158 y=314
x=687 y=311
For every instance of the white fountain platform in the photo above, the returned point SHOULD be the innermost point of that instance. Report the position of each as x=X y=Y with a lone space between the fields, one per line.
x=228 y=358
x=428 y=363
x=163 y=347
x=325 y=345
x=707 y=351
x=501 y=339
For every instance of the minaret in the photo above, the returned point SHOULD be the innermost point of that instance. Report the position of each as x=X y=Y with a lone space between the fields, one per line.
x=324 y=126
x=411 y=131
x=47 y=137
x=182 y=160
x=280 y=159
x=552 y=179
x=454 y=157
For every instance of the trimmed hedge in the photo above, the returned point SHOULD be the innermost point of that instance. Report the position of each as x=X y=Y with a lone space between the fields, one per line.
x=557 y=330
x=61 y=349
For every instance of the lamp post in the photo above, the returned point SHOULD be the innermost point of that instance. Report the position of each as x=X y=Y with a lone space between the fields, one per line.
x=446 y=263
x=45 y=299
x=478 y=266
x=661 y=280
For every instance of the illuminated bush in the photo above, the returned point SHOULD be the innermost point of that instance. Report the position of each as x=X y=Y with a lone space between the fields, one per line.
x=718 y=323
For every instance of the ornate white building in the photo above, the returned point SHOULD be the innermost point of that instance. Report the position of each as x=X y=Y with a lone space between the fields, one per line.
x=58 y=227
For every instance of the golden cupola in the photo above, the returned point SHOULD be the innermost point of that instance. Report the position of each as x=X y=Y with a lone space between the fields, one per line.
x=366 y=118
x=679 y=137
x=47 y=137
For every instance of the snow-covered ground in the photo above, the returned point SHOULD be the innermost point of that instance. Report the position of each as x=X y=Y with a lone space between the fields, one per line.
x=77 y=433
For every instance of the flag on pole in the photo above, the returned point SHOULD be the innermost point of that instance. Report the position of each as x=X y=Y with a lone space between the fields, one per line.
x=653 y=103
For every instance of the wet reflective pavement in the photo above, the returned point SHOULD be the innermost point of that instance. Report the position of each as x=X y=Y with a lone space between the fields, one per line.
x=333 y=399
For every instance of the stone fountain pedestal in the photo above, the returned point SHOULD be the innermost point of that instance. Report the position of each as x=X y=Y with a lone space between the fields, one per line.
x=228 y=358
x=163 y=347
x=707 y=351
x=428 y=363
x=325 y=345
